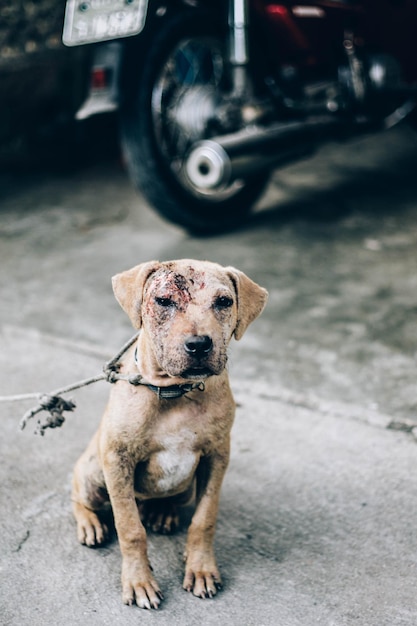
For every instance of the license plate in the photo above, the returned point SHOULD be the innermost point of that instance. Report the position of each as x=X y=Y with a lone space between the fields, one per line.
x=90 y=21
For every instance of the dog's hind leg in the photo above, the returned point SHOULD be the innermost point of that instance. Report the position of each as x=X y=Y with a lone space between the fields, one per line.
x=89 y=496
x=91 y=531
x=161 y=516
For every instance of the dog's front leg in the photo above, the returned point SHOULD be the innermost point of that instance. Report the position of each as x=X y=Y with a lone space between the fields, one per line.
x=202 y=576
x=139 y=586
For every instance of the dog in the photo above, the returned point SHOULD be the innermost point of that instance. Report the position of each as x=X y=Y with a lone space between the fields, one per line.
x=165 y=441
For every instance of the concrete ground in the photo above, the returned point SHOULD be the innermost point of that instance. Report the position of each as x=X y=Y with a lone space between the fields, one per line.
x=318 y=510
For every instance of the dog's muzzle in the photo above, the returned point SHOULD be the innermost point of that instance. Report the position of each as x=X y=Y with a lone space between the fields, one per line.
x=198 y=349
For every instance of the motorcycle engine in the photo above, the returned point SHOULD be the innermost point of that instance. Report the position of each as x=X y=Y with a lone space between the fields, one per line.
x=384 y=73
x=381 y=81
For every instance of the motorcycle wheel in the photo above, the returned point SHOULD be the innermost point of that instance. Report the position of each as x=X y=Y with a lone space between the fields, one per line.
x=174 y=98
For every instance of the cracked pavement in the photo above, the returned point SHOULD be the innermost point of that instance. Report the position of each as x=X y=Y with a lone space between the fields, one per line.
x=316 y=522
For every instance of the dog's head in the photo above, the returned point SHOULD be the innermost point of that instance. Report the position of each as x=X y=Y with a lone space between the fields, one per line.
x=189 y=310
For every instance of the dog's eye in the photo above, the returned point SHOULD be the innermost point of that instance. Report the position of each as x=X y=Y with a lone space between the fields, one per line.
x=165 y=302
x=223 y=302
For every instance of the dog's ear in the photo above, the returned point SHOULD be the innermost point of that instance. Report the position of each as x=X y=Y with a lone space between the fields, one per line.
x=251 y=300
x=128 y=289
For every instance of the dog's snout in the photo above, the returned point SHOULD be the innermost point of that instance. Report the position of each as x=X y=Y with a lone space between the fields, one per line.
x=198 y=345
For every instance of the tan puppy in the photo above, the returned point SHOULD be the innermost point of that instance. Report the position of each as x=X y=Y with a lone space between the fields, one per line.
x=166 y=439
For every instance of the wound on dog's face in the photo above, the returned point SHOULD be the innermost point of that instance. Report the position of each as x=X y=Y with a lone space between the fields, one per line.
x=169 y=289
x=179 y=305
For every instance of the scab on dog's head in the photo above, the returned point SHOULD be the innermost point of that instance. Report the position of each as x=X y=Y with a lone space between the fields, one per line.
x=190 y=310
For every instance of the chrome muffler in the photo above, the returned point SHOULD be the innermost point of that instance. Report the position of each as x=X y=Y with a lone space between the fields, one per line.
x=217 y=162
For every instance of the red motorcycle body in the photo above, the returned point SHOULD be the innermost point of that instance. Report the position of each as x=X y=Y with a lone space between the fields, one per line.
x=309 y=33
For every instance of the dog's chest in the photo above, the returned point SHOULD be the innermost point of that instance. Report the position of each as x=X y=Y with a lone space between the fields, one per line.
x=172 y=467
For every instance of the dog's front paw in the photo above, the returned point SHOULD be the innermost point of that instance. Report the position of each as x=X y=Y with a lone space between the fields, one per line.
x=202 y=577
x=140 y=587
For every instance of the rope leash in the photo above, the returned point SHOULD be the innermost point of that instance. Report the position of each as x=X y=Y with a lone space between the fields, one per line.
x=56 y=405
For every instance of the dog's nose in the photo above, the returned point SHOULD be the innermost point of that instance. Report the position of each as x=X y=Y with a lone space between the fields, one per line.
x=198 y=345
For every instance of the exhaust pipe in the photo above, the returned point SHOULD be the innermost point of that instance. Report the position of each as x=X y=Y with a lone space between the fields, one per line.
x=217 y=162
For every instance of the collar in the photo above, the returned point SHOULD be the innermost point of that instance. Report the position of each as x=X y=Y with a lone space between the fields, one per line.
x=166 y=393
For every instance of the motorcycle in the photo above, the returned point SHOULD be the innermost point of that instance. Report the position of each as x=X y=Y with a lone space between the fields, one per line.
x=213 y=95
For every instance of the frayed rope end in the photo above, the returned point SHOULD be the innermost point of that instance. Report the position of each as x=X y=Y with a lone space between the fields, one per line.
x=55 y=405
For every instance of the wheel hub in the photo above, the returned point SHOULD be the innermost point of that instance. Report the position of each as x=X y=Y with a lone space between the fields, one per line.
x=193 y=110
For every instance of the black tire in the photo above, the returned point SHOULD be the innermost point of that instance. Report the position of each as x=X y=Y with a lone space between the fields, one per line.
x=152 y=145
